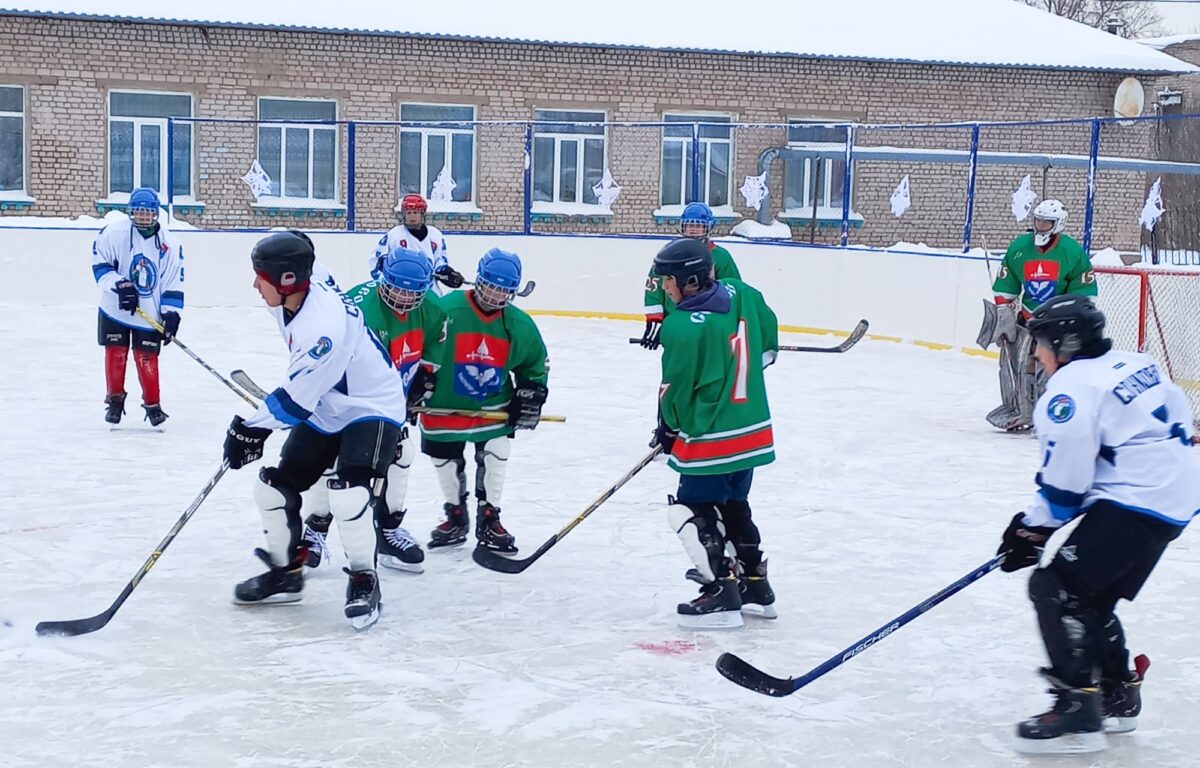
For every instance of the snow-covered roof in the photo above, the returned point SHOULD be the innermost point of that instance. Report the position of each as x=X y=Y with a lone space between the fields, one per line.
x=975 y=33
x=1159 y=43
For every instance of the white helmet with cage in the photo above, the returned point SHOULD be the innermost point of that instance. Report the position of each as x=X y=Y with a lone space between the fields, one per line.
x=1054 y=214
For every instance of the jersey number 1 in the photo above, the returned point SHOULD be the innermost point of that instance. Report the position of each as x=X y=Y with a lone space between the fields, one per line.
x=741 y=360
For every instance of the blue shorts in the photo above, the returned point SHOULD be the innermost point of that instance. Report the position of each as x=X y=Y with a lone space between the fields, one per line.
x=714 y=489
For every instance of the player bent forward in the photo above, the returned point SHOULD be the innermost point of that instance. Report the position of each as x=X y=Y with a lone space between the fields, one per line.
x=715 y=423
x=339 y=398
x=1115 y=434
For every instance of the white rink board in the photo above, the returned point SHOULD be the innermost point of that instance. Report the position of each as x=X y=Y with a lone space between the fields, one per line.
x=889 y=485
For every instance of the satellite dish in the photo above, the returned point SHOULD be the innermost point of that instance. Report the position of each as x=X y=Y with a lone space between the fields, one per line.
x=1130 y=98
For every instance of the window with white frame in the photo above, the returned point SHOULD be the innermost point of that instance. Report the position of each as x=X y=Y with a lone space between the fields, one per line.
x=301 y=159
x=715 y=156
x=137 y=142
x=12 y=138
x=568 y=158
x=826 y=177
x=448 y=144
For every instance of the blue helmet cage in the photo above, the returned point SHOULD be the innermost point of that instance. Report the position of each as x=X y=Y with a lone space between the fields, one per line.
x=405 y=279
x=497 y=278
x=696 y=213
x=144 y=199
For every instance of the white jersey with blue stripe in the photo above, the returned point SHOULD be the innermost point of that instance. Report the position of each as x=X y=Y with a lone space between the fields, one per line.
x=153 y=264
x=339 y=372
x=1115 y=428
x=433 y=246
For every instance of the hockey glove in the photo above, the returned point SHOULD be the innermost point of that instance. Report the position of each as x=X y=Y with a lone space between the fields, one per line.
x=1023 y=544
x=449 y=276
x=664 y=436
x=525 y=408
x=420 y=390
x=243 y=444
x=170 y=323
x=127 y=296
x=650 y=335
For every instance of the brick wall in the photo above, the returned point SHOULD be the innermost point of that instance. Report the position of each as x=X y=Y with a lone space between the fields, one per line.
x=68 y=67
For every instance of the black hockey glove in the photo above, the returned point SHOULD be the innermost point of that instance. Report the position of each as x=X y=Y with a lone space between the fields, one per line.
x=449 y=276
x=664 y=436
x=420 y=390
x=1023 y=544
x=525 y=408
x=244 y=445
x=127 y=296
x=650 y=335
x=170 y=323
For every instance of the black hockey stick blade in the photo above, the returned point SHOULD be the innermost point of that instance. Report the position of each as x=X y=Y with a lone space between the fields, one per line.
x=494 y=561
x=747 y=675
x=243 y=380
x=73 y=627
x=855 y=336
x=528 y=289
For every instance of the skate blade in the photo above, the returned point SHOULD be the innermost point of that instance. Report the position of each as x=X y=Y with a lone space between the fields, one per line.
x=281 y=598
x=498 y=551
x=1120 y=724
x=365 y=620
x=135 y=429
x=396 y=564
x=718 y=620
x=1070 y=744
x=445 y=544
x=760 y=611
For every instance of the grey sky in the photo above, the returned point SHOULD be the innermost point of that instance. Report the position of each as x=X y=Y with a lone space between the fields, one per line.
x=1179 y=18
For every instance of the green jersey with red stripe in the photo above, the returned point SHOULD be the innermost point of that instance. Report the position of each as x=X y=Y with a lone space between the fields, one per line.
x=713 y=392
x=659 y=304
x=410 y=338
x=482 y=354
x=1037 y=275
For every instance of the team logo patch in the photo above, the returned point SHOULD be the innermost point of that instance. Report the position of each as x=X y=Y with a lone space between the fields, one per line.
x=323 y=347
x=1041 y=280
x=143 y=274
x=480 y=365
x=1060 y=409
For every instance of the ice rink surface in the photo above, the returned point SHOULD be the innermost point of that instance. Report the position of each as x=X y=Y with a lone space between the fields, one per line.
x=888 y=486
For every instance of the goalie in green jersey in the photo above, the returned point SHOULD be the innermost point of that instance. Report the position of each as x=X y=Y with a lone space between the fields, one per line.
x=715 y=426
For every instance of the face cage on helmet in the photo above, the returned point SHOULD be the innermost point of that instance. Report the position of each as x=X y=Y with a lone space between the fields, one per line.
x=491 y=295
x=144 y=217
x=400 y=299
x=683 y=225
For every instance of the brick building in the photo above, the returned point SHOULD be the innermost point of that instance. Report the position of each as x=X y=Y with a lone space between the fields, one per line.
x=84 y=126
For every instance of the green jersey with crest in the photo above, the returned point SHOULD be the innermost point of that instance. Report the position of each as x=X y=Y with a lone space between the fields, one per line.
x=1037 y=275
x=659 y=304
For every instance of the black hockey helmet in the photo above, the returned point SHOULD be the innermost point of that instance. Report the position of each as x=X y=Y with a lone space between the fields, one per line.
x=687 y=260
x=1070 y=325
x=285 y=260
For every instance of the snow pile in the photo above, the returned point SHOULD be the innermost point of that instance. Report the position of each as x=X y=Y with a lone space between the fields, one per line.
x=752 y=230
x=83 y=222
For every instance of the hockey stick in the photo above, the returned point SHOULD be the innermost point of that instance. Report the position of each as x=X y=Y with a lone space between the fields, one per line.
x=494 y=561
x=855 y=336
x=528 y=289
x=159 y=327
x=746 y=675
x=247 y=383
x=73 y=627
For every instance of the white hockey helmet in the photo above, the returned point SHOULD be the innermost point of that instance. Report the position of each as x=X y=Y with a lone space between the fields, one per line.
x=1051 y=211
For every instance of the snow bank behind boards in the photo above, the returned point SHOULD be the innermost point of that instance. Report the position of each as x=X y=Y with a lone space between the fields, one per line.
x=924 y=297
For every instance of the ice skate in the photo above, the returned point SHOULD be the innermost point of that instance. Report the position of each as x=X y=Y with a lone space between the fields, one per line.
x=490 y=532
x=400 y=551
x=453 y=530
x=155 y=415
x=717 y=607
x=279 y=585
x=758 y=599
x=114 y=408
x=316 y=529
x=1072 y=726
x=362 y=598
x=1122 y=700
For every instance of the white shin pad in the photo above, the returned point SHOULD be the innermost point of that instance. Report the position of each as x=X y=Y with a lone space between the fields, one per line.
x=491 y=467
x=272 y=505
x=687 y=525
x=397 y=475
x=351 y=505
x=315 y=501
x=452 y=477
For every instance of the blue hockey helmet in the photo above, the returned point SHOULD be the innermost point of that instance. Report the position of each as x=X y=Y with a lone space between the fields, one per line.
x=406 y=278
x=687 y=260
x=143 y=207
x=497 y=278
x=696 y=214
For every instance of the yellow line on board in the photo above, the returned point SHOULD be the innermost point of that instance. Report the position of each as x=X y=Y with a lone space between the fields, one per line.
x=585 y=313
x=980 y=353
x=932 y=345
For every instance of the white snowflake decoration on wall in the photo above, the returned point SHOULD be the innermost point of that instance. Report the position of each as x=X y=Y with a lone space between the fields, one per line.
x=606 y=190
x=258 y=181
x=754 y=190
x=443 y=186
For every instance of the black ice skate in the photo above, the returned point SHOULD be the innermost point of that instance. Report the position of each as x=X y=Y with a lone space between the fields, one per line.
x=362 y=598
x=490 y=533
x=1072 y=726
x=155 y=415
x=758 y=599
x=115 y=408
x=1122 y=700
x=453 y=530
x=717 y=607
x=316 y=528
x=400 y=551
x=278 y=585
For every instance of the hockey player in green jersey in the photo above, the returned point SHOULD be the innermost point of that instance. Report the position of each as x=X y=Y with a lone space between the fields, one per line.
x=405 y=316
x=493 y=360
x=695 y=222
x=715 y=425
x=1038 y=266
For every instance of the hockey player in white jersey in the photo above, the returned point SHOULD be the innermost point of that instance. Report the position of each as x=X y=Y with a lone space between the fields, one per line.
x=345 y=406
x=415 y=235
x=1115 y=437
x=138 y=264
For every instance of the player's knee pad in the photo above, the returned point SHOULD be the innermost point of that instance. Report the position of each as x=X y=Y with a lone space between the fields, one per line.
x=452 y=478
x=315 y=501
x=702 y=536
x=491 y=467
x=351 y=506
x=279 y=507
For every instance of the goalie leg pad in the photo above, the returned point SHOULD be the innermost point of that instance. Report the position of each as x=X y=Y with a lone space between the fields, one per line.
x=351 y=505
x=491 y=467
x=699 y=528
x=279 y=507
